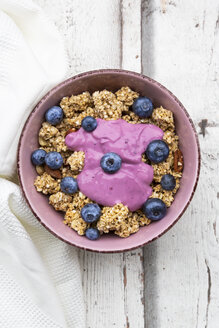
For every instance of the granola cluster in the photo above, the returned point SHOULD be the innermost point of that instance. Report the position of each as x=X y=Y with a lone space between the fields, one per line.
x=73 y=217
x=120 y=220
x=109 y=106
x=46 y=184
x=73 y=104
x=76 y=161
x=60 y=201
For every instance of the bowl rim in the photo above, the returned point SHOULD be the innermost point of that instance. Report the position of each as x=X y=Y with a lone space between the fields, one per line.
x=96 y=72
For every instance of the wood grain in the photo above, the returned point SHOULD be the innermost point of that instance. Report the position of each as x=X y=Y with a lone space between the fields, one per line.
x=181 y=269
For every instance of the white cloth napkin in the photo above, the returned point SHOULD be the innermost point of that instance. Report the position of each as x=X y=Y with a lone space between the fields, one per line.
x=32 y=60
x=40 y=280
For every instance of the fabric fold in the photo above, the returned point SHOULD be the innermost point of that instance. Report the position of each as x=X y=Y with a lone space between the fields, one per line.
x=40 y=275
x=32 y=61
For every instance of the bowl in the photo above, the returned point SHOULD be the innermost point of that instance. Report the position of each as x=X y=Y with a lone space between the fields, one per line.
x=111 y=80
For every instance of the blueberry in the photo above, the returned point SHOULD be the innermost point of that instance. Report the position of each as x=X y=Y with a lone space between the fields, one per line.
x=111 y=162
x=157 y=151
x=69 y=185
x=92 y=233
x=38 y=156
x=168 y=182
x=90 y=212
x=143 y=107
x=154 y=209
x=89 y=123
x=54 y=115
x=54 y=160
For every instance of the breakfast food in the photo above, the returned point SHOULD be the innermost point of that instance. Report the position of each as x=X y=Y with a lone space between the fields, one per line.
x=109 y=161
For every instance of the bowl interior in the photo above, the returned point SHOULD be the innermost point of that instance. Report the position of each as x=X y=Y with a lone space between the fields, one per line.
x=111 y=80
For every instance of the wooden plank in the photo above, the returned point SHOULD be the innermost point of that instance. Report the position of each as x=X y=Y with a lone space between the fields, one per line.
x=105 y=34
x=181 y=268
x=131 y=35
x=91 y=32
x=103 y=289
x=133 y=272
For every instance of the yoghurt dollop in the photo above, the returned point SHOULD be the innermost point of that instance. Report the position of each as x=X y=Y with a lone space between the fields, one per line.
x=130 y=185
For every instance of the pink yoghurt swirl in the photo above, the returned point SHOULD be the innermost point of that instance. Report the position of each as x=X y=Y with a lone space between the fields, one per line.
x=130 y=185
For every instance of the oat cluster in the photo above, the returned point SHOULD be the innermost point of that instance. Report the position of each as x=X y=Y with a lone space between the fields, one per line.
x=120 y=220
x=60 y=201
x=73 y=217
x=76 y=161
x=109 y=106
x=46 y=184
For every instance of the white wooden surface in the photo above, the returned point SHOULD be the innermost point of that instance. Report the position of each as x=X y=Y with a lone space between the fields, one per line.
x=173 y=282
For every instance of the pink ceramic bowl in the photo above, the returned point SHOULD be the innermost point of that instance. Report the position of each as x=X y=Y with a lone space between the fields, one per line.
x=111 y=80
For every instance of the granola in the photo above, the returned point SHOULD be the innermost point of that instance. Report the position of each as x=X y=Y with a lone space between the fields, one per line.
x=47 y=131
x=78 y=103
x=112 y=217
x=108 y=106
x=76 y=161
x=163 y=118
x=60 y=201
x=74 y=220
x=46 y=184
x=127 y=96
